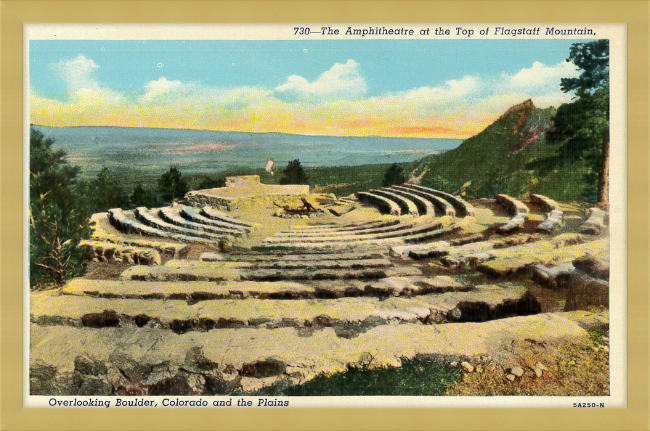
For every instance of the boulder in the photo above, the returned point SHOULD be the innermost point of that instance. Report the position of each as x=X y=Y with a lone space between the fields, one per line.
x=211 y=257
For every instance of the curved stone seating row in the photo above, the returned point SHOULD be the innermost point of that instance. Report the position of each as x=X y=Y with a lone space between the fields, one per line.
x=254 y=258
x=192 y=215
x=424 y=206
x=554 y=218
x=128 y=225
x=400 y=231
x=216 y=215
x=167 y=215
x=143 y=215
x=547 y=203
x=350 y=227
x=406 y=205
x=443 y=206
x=517 y=208
x=320 y=234
x=463 y=208
x=595 y=223
x=384 y=205
x=333 y=245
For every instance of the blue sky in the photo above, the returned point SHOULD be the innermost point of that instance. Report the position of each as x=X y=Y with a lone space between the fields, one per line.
x=302 y=73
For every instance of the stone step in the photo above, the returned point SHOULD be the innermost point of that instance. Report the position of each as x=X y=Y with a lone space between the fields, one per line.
x=390 y=221
x=511 y=260
x=192 y=214
x=406 y=205
x=417 y=227
x=351 y=244
x=213 y=214
x=195 y=291
x=429 y=235
x=185 y=270
x=382 y=232
x=444 y=207
x=167 y=215
x=143 y=215
x=136 y=360
x=323 y=264
x=51 y=308
x=253 y=257
x=298 y=235
x=323 y=248
x=463 y=208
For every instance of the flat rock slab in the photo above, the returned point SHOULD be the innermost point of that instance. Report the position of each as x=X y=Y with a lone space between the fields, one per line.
x=436 y=249
x=411 y=286
x=514 y=223
x=322 y=352
x=191 y=291
x=553 y=276
x=553 y=221
x=543 y=252
x=211 y=257
x=593 y=266
x=102 y=251
x=186 y=270
x=595 y=223
x=517 y=239
x=339 y=210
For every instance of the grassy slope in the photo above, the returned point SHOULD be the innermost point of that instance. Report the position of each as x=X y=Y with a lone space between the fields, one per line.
x=489 y=161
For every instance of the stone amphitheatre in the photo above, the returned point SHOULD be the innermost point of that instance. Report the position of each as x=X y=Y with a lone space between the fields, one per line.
x=252 y=285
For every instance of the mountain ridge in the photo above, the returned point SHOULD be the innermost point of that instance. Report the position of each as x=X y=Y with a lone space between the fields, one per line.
x=503 y=158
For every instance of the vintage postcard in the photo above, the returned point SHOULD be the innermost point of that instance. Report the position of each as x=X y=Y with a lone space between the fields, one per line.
x=325 y=215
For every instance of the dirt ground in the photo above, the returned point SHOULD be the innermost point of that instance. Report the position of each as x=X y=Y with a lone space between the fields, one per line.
x=568 y=368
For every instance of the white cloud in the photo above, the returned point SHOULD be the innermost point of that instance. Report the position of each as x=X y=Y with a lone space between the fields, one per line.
x=160 y=87
x=540 y=78
x=77 y=73
x=342 y=80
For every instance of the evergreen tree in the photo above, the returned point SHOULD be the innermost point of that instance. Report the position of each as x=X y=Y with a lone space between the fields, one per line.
x=294 y=174
x=171 y=185
x=592 y=87
x=143 y=197
x=102 y=193
x=57 y=219
x=211 y=183
x=394 y=175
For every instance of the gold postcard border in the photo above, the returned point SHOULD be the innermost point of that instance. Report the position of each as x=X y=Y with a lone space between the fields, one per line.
x=13 y=14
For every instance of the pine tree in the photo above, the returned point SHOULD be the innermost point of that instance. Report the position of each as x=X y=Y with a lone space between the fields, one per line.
x=57 y=219
x=294 y=174
x=171 y=185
